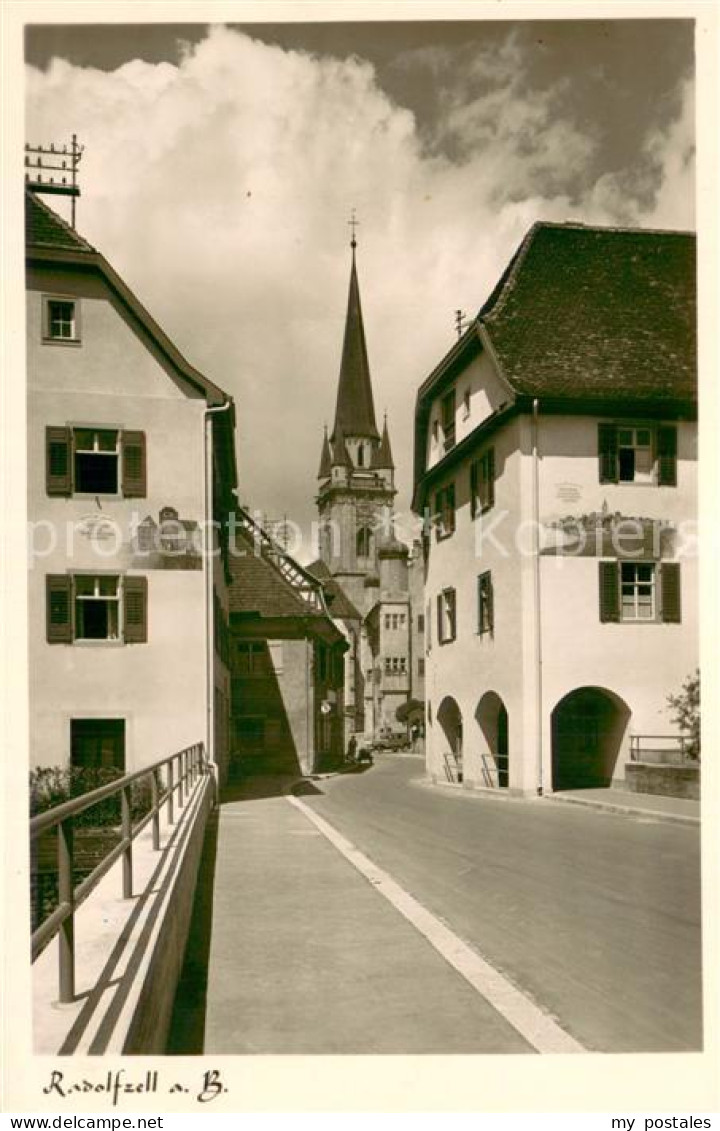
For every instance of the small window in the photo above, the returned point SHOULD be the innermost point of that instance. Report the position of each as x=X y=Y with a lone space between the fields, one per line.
x=640 y=592
x=421 y=668
x=635 y=453
x=360 y=456
x=61 y=320
x=448 y=419
x=363 y=542
x=97 y=608
x=252 y=660
x=421 y=622
x=482 y=483
x=436 y=431
x=445 y=512
x=446 y=616
x=466 y=404
x=403 y=665
x=95 y=460
x=485 y=603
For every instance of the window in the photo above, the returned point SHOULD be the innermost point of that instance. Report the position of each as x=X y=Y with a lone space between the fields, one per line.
x=387 y=621
x=446 y=616
x=435 y=431
x=61 y=320
x=466 y=404
x=403 y=665
x=96 y=607
x=360 y=456
x=252 y=660
x=363 y=542
x=421 y=668
x=445 y=512
x=638 y=454
x=421 y=622
x=447 y=411
x=96 y=461
x=485 y=603
x=97 y=456
x=98 y=744
x=640 y=592
x=482 y=483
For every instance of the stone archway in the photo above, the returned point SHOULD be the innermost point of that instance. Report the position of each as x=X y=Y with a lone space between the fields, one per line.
x=492 y=718
x=449 y=718
x=588 y=727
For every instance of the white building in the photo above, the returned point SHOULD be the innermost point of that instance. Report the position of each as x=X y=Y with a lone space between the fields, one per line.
x=556 y=455
x=128 y=638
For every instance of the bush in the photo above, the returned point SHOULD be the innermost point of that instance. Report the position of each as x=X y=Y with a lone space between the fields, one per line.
x=53 y=785
x=686 y=708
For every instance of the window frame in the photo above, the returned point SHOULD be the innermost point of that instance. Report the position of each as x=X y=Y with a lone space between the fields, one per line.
x=447 y=615
x=663 y=447
x=51 y=339
x=97 y=641
x=654 y=592
x=486 y=604
x=80 y=493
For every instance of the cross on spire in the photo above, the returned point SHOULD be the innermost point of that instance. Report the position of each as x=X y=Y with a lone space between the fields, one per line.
x=353 y=223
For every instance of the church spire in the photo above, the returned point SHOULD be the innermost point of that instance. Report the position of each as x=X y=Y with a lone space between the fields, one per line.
x=325 y=459
x=382 y=458
x=354 y=411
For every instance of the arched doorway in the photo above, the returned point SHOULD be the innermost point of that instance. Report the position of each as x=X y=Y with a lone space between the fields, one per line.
x=588 y=727
x=449 y=717
x=492 y=718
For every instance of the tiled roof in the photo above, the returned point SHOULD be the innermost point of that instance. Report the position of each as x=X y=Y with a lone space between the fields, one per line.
x=597 y=312
x=354 y=411
x=44 y=228
x=258 y=587
x=338 y=603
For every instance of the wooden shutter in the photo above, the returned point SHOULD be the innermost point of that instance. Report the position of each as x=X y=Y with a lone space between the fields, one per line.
x=670 y=592
x=58 y=587
x=609 y=591
x=58 y=461
x=134 y=476
x=491 y=477
x=667 y=455
x=473 y=488
x=135 y=618
x=608 y=452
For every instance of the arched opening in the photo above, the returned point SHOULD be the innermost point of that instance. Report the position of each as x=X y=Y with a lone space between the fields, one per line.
x=449 y=717
x=492 y=718
x=588 y=727
x=364 y=542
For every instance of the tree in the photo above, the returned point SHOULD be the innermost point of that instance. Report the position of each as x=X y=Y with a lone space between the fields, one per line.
x=686 y=708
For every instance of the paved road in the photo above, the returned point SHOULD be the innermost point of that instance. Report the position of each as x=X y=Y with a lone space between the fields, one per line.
x=595 y=916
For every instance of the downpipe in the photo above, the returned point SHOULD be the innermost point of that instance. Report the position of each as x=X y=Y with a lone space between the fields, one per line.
x=537 y=593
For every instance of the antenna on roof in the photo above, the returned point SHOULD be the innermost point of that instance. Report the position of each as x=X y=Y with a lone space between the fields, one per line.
x=53 y=159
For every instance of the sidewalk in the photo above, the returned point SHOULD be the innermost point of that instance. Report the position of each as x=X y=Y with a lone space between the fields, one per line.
x=304 y=956
x=679 y=810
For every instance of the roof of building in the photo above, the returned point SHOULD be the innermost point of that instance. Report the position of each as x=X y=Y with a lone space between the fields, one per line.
x=382 y=458
x=341 y=456
x=338 y=603
x=354 y=410
x=597 y=312
x=325 y=469
x=44 y=228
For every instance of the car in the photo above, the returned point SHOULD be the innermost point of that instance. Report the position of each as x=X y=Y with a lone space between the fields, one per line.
x=391 y=740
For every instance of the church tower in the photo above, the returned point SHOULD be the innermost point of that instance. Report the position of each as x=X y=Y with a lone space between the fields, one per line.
x=357 y=474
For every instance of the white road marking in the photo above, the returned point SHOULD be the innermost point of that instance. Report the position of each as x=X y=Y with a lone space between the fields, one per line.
x=538 y=1028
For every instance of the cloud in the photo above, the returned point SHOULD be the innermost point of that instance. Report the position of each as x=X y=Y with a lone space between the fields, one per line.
x=220 y=188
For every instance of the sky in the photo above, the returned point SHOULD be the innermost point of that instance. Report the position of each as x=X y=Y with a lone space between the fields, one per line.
x=222 y=163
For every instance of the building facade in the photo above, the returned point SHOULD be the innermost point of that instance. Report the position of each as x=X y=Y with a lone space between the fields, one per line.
x=555 y=451
x=130 y=457
x=364 y=567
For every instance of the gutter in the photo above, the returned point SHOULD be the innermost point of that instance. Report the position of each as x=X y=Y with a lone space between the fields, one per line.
x=537 y=594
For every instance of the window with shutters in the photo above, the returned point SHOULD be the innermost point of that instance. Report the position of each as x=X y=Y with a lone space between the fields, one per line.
x=445 y=512
x=482 y=483
x=640 y=592
x=98 y=744
x=446 y=616
x=485 y=603
x=633 y=453
x=96 y=607
x=95 y=460
x=61 y=319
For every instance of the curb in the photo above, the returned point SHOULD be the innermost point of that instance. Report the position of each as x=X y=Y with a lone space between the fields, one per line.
x=627 y=810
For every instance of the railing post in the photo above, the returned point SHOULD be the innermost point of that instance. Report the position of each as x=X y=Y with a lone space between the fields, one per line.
x=127 y=869
x=66 y=894
x=181 y=778
x=171 y=792
x=155 y=802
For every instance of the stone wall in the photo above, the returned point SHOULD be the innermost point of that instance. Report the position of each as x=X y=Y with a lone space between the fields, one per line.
x=670 y=781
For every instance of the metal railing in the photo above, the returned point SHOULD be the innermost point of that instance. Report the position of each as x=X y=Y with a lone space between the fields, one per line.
x=183 y=770
x=678 y=752
x=495 y=770
x=453 y=760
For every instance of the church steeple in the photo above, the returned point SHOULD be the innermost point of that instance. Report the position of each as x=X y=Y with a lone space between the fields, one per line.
x=382 y=458
x=325 y=459
x=354 y=411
